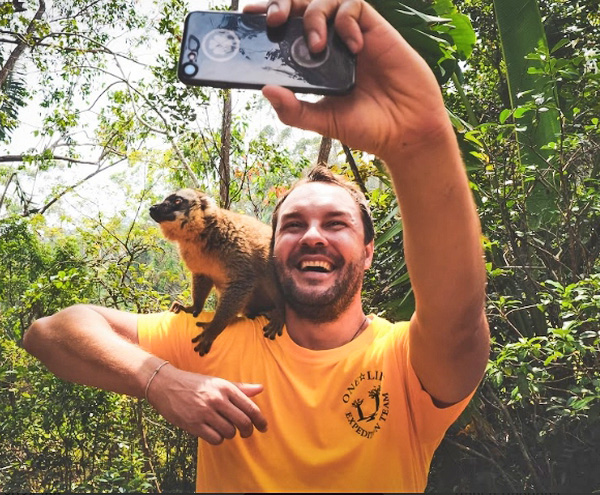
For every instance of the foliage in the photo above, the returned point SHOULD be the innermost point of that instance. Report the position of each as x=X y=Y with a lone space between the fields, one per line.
x=437 y=30
x=12 y=95
x=56 y=436
x=386 y=288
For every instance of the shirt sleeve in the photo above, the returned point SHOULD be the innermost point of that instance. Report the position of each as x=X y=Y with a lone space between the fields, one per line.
x=169 y=336
x=431 y=421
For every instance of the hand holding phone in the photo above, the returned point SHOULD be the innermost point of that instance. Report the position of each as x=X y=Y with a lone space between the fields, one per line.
x=236 y=50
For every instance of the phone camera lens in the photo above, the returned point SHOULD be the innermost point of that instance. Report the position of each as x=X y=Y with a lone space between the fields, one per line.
x=192 y=56
x=190 y=69
x=303 y=56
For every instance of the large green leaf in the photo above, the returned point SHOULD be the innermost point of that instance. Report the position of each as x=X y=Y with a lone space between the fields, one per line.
x=524 y=48
x=460 y=29
x=522 y=34
x=436 y=30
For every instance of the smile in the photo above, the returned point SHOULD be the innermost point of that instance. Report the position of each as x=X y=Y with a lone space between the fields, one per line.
x=316 y=266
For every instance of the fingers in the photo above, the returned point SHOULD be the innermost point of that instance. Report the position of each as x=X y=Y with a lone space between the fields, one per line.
x=294 y=112
x=248 y=409
x=232 y=411
x=347 y=25
x=277 y=11
x=208 y=407
x=255 y=8
x=316 y=13
x=215 y=430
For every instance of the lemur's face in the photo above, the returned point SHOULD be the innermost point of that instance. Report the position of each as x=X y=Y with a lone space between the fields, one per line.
x=179 y=204
x=182 y=214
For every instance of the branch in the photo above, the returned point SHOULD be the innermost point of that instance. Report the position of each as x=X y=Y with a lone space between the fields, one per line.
x=144 y=443
x=22 y=157
x=21 y=45
x=518 y=438
x=38 y=42
x=354 y=168
x=70 y=188
x=475 y=453
x=6 y=188
x=153 y=107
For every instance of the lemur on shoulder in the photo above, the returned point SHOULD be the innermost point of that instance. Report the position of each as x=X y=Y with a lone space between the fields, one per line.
x=227 y=250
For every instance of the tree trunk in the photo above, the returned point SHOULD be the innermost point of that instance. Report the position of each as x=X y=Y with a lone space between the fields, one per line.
x=324 y=151
x=21 y=45
x=225 y=164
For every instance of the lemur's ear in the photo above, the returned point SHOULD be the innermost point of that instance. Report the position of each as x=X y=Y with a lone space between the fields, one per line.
x=205 y=201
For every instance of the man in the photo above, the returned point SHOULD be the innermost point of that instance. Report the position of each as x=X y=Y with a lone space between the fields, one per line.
x=352 y=402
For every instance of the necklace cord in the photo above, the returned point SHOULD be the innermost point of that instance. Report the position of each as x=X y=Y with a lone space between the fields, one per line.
x=358 y=330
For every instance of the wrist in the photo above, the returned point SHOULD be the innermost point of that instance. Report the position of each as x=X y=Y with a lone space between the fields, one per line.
x=152 y=379
x=434 y=137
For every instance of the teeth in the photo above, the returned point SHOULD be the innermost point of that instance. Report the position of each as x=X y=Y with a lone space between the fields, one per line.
x=322 y=265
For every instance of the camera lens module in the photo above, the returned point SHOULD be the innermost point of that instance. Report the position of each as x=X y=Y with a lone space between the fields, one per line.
x=189 y=69
x=302 y=55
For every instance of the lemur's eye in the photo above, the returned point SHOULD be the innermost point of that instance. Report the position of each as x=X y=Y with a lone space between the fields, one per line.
x=178 y=201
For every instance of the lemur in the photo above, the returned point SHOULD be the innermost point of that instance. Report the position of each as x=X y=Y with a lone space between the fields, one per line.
x=227 y=250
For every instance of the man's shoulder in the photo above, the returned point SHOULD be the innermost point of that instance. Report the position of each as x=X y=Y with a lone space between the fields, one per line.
x=170 y=335
x=383 y=327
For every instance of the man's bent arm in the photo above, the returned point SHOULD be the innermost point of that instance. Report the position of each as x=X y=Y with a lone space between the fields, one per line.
x=93 y=346
x=97 y=346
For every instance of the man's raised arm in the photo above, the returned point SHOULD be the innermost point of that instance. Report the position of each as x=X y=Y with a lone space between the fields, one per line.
x=396 y=111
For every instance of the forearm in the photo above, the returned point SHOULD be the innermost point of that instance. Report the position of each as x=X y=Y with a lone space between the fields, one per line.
x=78 y=344
x=441 y=229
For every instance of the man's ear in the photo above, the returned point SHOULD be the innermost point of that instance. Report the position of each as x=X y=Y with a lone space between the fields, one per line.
x=369 y=249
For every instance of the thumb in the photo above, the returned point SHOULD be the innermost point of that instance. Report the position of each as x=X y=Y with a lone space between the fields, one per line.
x=250 y=389
x=294 y=112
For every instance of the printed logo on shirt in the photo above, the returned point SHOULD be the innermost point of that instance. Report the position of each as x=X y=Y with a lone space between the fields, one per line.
x=368 y=405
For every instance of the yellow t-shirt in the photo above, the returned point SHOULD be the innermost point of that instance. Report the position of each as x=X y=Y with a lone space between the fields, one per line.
x=350 y=419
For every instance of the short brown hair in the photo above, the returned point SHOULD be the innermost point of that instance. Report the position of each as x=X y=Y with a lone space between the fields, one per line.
x=321 y=173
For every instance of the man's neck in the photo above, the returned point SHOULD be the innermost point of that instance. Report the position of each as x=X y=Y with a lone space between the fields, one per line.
x=321 y=336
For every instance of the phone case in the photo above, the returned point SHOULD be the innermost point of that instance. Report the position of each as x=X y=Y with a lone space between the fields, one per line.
x=236 y=50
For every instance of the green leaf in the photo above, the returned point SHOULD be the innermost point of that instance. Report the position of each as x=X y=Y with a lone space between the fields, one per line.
x=504 y=115
x=460 y=27
x=394 y=230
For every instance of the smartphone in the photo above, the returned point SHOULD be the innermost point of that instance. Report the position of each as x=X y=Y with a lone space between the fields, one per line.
x=237 y=50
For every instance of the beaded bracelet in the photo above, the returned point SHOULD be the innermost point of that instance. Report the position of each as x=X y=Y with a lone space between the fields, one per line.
x=152 y=378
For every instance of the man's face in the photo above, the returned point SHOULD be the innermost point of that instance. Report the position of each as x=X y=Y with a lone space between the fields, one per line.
x=319 y=250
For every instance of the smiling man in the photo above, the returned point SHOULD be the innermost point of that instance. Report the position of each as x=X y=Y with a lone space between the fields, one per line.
x=341 y=401
x=321 y=248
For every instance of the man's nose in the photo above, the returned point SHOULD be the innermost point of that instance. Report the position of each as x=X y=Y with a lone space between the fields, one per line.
x=314 y=236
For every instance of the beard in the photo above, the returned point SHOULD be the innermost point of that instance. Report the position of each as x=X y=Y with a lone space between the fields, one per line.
x=320 y=306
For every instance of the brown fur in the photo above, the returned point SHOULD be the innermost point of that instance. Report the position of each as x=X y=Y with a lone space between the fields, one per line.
x=227 y=250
